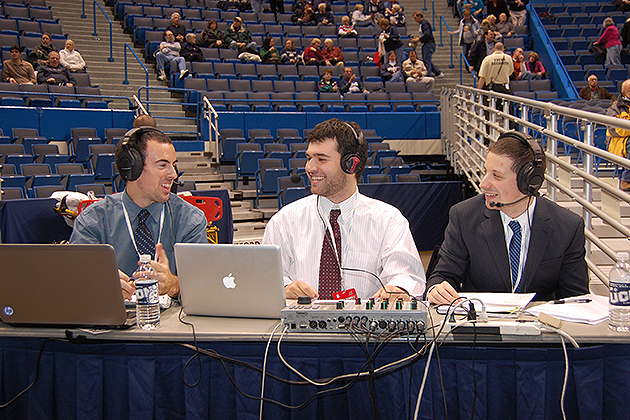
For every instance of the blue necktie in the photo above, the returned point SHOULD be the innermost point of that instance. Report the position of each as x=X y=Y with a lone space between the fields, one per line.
x=515 y=251
x=329 y=264
x=144 y=239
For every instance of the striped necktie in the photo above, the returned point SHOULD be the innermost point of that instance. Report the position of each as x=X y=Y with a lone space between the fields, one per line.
x=515 y=253
x=329 y=264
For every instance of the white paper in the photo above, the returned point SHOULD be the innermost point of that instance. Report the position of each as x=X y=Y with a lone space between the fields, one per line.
x=590 y=313
x=501 y=302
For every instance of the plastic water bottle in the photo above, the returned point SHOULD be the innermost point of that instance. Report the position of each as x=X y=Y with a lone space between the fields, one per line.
x=619 y=301
x=147 y=295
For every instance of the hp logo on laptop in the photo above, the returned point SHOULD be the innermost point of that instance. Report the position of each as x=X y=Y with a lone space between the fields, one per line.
x=8 y=311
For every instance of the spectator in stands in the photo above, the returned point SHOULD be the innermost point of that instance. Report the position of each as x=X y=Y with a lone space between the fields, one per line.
x=390 y=39
x=300 y=5
x=467 y=31
x=257 y=6
x=425 y=37
x=71 y=58
x=326 y=83
x=168 y=51
x=518 y=11
x=476 y=8
x=332 y=55
x=617 y=138
x=178 y=30
x=324 y=17
x=350 y=83
x=397 y=17
x=359 y=18
x=238 y=37
x=17 y=70
x=391 y=70
x=375 y=10
x=622 y=5
x=346 y=30
x=144 y=120
x=212 y=36
x=328 y=4
x=504 y=27
x=277 y=6
x=535 y=67
x=40 y=55
x=389 y=6
x=190 y=50
x=312 y=54
x=305 y=17
x=610 y=39
x=496 y=7
x=374 y=235
x=269 y=53
x=416 y=71
x=290 y=54
x=592 y=92
x=241 y=5
x=518 y=61
x=625 y=34
x=54 y=73
x=482 y=48
x=488 y=24
x=115 y=219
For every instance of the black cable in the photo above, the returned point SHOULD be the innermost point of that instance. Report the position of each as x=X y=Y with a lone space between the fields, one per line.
x=472 y=415
x=371 y=380
x=25 y=390
x=437 y=354
x=197 y=355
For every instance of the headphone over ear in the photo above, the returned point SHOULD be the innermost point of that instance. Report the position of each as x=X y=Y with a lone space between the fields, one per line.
x=530 y=176
x=129 y=160
x=350 y=162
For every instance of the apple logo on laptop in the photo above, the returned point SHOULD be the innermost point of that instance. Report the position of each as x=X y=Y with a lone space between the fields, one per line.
x=228 y=281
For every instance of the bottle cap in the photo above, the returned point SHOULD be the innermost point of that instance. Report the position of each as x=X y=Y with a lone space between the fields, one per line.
x=622 y=256
x=145 y=258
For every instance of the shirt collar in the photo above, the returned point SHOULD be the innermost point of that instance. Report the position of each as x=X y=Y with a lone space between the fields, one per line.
x=524 y=219
x=347 y=206
x=133 y=209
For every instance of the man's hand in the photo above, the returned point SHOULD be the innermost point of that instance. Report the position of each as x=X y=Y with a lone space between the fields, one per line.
x=442 y=294
x=299 y=288
x=127 y=286
x=392 y=292
x=168 y=283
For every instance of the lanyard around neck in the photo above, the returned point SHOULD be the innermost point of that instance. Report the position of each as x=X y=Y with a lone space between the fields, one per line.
x=129 y=228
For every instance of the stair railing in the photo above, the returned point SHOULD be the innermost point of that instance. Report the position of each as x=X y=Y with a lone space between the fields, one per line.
x=111 y=35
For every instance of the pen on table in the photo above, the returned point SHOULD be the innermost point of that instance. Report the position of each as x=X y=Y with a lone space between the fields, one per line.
x=557 y=302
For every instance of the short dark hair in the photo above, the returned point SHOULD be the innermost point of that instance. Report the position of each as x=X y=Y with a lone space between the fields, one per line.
x=15 y=47
x=518 y=151
x=349 y=138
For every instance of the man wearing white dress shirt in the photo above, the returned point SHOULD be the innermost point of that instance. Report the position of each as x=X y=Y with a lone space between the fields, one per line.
x=377 y=256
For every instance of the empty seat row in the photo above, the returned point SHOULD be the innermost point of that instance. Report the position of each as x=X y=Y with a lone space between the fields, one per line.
x=13 y=94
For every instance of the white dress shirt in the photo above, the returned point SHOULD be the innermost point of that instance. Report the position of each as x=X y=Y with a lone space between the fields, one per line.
x=375 y=238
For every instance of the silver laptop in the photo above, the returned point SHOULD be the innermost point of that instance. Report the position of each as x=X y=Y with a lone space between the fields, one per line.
x=60 y=285
x=230 y=280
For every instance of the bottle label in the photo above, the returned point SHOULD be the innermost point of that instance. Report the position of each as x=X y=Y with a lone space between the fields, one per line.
x=147 y=292
x=619 y=294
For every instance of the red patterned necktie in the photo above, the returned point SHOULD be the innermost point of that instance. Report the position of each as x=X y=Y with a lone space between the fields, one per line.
x=329 y=264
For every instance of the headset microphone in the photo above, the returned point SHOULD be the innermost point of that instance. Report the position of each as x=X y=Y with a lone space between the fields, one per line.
x=499 y=205
x=295 y=179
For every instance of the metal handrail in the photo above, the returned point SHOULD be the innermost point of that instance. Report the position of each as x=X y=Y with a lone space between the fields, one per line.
x=448 y=29
x=139 y=106
x=463 y=61
x=212 y=116
x=470 y=121
x=111 y=32
x=126 y=81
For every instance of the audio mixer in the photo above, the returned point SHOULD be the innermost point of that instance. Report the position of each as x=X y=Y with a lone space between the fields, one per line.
x=369 y=316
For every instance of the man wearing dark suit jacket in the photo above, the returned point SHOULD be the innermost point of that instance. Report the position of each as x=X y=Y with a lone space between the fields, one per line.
x=476 y=252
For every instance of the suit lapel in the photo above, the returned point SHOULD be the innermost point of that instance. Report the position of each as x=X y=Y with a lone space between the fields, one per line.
x=492 y=231
x=538 y=239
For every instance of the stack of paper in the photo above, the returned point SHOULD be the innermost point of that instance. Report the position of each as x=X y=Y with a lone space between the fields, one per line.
x=590 y=313
x=501 y=302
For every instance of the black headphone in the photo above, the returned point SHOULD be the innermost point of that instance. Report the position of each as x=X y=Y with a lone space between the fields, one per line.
x=351 y=162
x=530 y=176
x=129 y=159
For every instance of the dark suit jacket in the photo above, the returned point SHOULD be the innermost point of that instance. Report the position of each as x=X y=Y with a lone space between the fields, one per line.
x=474 y=256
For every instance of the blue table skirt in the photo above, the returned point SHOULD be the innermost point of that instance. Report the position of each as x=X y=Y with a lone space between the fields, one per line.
x=116 y=380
